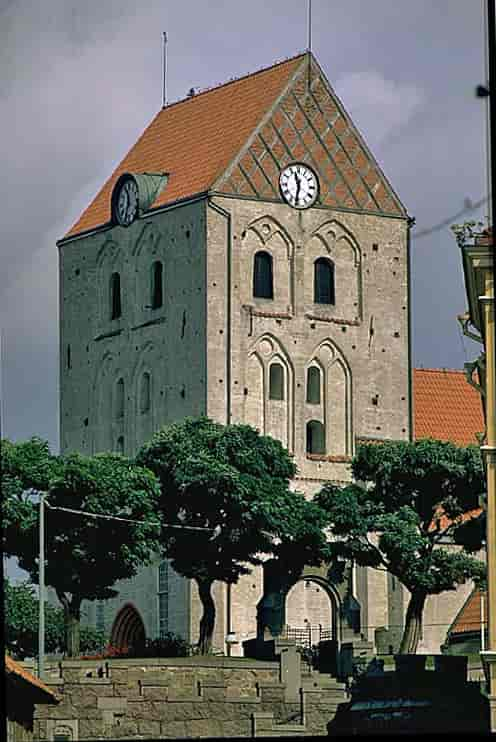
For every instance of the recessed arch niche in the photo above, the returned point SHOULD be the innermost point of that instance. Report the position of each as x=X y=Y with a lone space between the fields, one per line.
x=334 y=242
x=266 y=235
x=270 y=408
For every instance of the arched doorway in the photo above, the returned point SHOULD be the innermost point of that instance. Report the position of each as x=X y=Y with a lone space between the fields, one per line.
x=128 y=629
x=312 y=612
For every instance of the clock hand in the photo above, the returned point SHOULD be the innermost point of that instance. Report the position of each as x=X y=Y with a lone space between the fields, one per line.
x=298 y=187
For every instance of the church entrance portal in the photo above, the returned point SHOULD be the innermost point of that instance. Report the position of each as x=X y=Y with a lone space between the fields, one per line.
x=128 y=629
x=311 y=612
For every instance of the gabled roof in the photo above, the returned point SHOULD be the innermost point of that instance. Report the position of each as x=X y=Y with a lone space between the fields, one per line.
x=236 y=137
x=469 y=618
x=445 y=406
x=17 y=671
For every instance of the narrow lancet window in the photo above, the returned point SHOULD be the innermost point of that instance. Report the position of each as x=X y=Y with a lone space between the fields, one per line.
x=145 y=392
x=119 y=399
x=276 y=381
x=157 y=285
x=263 y=287
x=315 y=437
x=324 y=281
x=115 y=296
x=313 y=385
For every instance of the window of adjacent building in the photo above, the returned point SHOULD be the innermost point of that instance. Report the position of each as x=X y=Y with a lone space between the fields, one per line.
x=276 y=381
x=262 y=276
x=315 y=437
x=145 y=386
x=119 y=399
x=157 y=285
x=324 y=281
x=163 y=597
x=313 y=385
x=120 y=444
x=115 y=296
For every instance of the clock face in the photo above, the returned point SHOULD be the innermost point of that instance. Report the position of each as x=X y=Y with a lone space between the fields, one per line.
x=299 y=185
x=126 y=202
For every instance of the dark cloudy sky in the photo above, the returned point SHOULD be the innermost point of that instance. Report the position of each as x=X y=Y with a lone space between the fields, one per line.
x=80 y=81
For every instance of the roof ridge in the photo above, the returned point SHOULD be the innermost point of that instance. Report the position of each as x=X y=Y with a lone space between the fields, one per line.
x=441 y=370
x=211 y=88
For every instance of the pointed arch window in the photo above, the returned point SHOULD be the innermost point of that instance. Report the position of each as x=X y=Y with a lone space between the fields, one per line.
x=119 y=399
x=115 y=296
x=157 y=298
x=276 y=381
x=315 y=437
x=263 y=285
x=313 y=385
x=120 y=444
x=145 y=392
x=324 y=281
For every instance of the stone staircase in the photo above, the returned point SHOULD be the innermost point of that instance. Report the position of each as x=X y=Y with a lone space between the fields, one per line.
x=320 y=695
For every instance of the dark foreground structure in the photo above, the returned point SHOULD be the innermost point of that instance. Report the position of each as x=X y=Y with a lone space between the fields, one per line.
x=413 y=700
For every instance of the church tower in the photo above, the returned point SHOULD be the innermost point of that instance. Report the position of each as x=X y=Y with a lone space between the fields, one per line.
x=247 y=260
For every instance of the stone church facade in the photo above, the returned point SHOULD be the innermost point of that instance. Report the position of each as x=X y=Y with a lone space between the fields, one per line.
x=194 y=285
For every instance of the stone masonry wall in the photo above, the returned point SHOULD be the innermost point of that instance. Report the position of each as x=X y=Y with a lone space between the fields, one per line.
x=190 y=697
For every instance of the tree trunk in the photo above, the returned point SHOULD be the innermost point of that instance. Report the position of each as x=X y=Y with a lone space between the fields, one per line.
x=413 y=623
x=72 y=617
x=207 y=622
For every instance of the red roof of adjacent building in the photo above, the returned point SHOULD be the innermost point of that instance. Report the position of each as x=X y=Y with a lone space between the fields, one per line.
x=446 y=407
x=14 y=668
x=469 y=618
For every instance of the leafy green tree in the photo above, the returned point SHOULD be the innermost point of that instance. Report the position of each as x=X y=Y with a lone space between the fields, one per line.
x=404 y=516
x=21 y=615
x=235 y=482
x=85 y=556
x=26 y=467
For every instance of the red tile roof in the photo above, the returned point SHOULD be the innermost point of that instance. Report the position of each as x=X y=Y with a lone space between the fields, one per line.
x=237 y=137
x=446 y=407
x=196 y=139
x=469 y=618
x=14 y=668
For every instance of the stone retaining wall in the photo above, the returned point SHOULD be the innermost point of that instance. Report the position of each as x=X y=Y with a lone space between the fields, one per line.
x=187 y=697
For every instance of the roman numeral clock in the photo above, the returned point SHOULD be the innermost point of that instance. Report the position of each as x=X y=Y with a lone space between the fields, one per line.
x=299 y=185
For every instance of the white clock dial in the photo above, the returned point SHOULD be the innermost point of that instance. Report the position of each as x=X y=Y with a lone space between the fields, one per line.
x=299 y=185
x=126 y=203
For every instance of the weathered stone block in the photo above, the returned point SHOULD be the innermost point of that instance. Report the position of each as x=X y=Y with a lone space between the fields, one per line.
x=124 y=729
x=238 y=728
x=118 y=675
x=84 y=697
x=203 y=728
x=112 y=704
x=155 y=693
x=173 y=729
x=149 y=728
x=144 y=710
x=91 y=728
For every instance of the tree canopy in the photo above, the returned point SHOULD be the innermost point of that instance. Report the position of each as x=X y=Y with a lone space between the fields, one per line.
x=402 y=514
x=94 y=552
x=21 y=612
x=235 y=482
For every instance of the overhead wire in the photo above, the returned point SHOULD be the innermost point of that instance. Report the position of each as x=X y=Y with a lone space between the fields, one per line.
x=469 y=206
